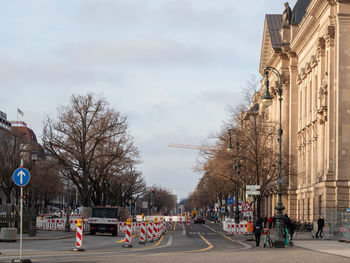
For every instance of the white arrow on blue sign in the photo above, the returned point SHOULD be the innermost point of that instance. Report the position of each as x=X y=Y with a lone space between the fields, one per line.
x=230 y=200
x=21 y=176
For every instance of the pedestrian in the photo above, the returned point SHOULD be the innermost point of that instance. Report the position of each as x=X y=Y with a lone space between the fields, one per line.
x=269 y=220
x=274 y=221
x=291 y=229
x=257 y=231
x=320 y=225
x=287 y=223
x=265 y=221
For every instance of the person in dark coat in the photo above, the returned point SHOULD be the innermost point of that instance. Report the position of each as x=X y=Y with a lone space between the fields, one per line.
x=287 y=223
x=320 y=225
x=257 y=231
x=291 y=229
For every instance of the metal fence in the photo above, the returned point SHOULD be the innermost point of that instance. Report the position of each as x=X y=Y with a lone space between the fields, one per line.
x=337 y=224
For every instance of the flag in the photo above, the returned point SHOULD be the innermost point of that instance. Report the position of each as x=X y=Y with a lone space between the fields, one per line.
x=19 y=111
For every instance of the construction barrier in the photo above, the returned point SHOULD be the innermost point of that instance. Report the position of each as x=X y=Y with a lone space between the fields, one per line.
x=143 y=233
x=170 y=224
x=149 y=232
x=232 y=228
x=128 y=230
x=79 y=237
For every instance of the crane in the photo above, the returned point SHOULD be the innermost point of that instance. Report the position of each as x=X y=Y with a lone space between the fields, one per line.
x=195 y=147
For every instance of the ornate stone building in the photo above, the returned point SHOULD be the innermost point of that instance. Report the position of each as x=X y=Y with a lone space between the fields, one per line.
x=312 y=52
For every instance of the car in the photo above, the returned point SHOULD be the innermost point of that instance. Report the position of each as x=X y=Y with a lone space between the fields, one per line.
x=199 y=219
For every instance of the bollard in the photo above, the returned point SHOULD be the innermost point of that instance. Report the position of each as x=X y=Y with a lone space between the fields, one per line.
x=79 y=237
x=149 y=232
x=143 y=233
x=128 y=230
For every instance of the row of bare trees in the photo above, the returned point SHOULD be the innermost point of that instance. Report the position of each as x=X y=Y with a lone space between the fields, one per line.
x=256 y=155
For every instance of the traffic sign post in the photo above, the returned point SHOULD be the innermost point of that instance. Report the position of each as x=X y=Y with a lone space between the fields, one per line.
x=230 y=201
x=21 y=177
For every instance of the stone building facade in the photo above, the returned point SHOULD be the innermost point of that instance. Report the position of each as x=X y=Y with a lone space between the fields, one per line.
x=312 y=52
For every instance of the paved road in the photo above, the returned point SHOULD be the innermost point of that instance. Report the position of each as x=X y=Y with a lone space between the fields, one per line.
x=203 y=243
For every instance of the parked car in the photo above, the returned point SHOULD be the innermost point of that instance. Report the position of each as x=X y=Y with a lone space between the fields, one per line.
x=199 y=219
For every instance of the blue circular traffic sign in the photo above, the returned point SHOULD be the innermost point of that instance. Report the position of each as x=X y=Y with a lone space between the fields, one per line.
x=230 y=200
x=21 y=176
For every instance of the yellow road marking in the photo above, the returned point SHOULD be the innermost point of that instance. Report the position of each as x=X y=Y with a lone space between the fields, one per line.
x=120 y=241
x=159 y=241
x=175 y=224
x=230 y=239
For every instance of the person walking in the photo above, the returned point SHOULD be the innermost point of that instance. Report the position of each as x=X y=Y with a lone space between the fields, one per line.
x=291 y=229
x=287 y=223
x=269 y=221
x=320 y=225
x=257 y=231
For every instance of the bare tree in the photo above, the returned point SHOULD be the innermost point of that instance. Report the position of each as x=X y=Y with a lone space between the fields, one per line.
x=10 y=158
x=91 y=140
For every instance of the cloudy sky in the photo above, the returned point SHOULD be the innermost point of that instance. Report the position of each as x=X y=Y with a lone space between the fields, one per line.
x=171 y=66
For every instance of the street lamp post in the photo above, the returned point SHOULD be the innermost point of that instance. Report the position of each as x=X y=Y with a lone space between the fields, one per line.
x=32 y=224
x=67 y=224
x=267 y=101
x=237 y=166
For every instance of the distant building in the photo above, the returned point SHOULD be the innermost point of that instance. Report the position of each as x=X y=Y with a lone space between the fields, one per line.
x=4 y=123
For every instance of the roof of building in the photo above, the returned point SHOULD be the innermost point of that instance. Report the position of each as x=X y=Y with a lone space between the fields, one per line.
x=274 y=23
x=299 y=11
x=24 y=133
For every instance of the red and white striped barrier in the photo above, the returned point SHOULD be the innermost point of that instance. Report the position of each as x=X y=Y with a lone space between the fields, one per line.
x=149 y=232
x=154 y=230
x=79 y=237
x=188 y=223
x=170 y=224
x=128 y=230
x=143 y=233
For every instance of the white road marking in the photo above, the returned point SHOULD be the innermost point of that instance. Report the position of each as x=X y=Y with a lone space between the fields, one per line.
x=210 y=228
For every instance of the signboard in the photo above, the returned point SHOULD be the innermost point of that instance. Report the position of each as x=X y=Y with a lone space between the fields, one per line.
x=144 y=204
x=247 y=207
x=252 y=192
x=348 y=210
x=223 y=209
x=252 y=187
x=248 y=214
x=230 y=200
x=21 y=176
x=250 y=200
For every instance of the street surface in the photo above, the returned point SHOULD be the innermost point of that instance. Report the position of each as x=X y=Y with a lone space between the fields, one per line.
x=202 y=243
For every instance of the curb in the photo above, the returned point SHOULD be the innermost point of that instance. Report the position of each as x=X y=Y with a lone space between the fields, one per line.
x=46 y=238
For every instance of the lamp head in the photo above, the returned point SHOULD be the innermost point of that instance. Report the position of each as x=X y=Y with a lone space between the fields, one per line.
x=266 y=99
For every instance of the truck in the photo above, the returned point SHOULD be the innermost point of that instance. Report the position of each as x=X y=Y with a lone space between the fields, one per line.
x=104 y=220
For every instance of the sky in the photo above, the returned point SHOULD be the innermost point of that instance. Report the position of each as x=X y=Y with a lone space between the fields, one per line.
x=172 y=67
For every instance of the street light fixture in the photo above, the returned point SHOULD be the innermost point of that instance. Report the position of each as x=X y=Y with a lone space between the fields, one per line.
x=267 y=101
x=237 y=166
x=32 y=223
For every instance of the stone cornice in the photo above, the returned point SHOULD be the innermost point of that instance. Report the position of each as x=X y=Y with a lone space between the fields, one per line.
x=308 y=25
